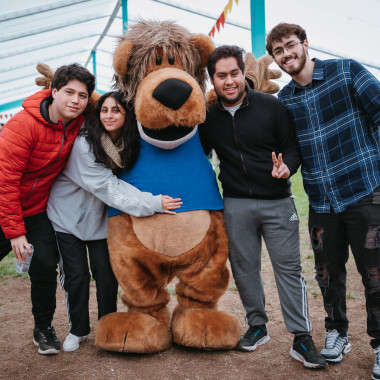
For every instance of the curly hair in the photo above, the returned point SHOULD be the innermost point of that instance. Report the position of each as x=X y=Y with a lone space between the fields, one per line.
x=93 y=129
x=284 y=30
x=65 y=74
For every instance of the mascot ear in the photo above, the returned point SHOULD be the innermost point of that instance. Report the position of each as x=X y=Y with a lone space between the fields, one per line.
x=204 y=45
x=47 y=75
x=258 y=75
x=121 y=57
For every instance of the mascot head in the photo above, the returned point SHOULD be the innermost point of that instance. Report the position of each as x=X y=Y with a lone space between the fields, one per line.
x=161 y=69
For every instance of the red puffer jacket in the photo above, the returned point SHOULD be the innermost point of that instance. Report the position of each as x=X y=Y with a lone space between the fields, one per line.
x=32 y=153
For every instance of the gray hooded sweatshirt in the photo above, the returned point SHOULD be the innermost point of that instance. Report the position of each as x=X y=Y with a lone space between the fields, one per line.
x=81 y=193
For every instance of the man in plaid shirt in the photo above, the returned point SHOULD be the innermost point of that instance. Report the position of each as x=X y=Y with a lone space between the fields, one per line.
x=335 y=108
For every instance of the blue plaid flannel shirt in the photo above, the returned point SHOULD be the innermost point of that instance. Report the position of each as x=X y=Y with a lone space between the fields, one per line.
x=337 y=119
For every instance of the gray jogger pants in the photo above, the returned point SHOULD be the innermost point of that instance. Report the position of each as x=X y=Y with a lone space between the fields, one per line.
x=247 y=220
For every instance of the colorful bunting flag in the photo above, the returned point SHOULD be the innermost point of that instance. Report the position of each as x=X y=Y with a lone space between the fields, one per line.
x=223 y=17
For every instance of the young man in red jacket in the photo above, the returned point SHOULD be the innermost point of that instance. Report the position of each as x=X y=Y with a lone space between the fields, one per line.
x=34 y=147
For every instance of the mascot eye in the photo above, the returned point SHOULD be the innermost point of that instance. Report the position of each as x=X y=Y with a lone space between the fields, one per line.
x=158 y=60
x=171 y=60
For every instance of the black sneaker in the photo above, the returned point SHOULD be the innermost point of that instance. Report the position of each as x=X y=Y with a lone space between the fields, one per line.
x=46 y=341
x=255 y=336
x=304 y=351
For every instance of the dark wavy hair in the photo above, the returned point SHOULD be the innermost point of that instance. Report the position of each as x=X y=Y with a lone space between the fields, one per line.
x=225 y=51
x=93 y=129
x=65 y=74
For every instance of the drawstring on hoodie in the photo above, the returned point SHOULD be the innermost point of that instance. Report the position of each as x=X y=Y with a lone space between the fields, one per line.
x=64 y=128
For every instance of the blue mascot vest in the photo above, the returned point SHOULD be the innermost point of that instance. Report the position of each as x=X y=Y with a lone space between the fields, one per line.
x=183 y=172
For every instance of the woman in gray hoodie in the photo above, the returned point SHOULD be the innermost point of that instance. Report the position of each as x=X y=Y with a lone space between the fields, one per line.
x=78 y=208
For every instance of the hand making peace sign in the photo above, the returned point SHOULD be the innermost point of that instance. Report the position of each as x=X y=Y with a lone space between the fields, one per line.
x=280 y=169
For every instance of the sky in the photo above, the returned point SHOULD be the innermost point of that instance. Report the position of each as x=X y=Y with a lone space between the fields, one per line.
x=347 y=28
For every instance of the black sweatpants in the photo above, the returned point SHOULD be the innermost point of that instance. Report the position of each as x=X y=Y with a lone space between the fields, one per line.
x=75 y=279
x=43 y=268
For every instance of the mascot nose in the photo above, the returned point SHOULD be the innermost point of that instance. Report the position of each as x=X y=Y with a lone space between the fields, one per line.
x=172 y=93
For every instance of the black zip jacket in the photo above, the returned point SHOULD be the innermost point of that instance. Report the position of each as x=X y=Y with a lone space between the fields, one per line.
x=244 y=144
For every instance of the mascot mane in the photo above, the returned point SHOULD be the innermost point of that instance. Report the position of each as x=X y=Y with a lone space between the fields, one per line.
x=150 y=38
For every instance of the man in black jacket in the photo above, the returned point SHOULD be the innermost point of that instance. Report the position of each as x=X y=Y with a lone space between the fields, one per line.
x=250 y=132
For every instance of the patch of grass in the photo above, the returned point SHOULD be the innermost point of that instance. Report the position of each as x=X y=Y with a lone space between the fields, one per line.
x=301 y=199
x=232 y=288
x=8 y=267
x=171 y=291
x=315 y=292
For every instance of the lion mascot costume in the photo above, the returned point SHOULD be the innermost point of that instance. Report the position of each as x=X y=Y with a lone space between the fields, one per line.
x=160 y=68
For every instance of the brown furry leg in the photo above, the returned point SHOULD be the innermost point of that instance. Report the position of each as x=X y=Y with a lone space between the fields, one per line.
x=134 y=332
x=146 y=327
x=196 y=322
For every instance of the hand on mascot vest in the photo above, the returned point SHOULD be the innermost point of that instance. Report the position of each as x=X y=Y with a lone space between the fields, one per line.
x=169 y=203
x=257 y=74
x=47 y=76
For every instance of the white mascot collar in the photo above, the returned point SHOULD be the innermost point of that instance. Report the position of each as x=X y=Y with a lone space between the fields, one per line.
x=165 y=144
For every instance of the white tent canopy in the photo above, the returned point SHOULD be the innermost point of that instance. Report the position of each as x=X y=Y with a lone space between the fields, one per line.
x=65 y=31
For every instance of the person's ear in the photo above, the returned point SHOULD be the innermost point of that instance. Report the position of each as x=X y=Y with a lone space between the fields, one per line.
x=306 y=44
x=53 y=92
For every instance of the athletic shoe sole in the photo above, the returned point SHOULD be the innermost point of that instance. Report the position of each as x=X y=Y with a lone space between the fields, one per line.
x=50 y=351
x=295 y=355
x=261 y=341
x=346 y=350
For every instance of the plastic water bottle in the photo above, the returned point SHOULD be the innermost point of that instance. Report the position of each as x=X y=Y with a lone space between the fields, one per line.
x=23 y=268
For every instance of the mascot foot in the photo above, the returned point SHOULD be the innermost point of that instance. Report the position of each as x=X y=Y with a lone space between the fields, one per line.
x=133 y=332
x=205 y=328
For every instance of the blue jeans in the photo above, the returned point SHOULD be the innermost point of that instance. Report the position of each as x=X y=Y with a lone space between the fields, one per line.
x=247 y=222
x=331 y=234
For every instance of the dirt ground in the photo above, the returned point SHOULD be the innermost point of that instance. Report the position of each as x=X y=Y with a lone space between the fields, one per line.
x=20 y=360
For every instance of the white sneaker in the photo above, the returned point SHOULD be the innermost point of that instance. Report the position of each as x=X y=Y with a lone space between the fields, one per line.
x=72 y=341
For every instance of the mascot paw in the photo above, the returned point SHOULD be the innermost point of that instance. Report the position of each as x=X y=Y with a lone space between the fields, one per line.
x=132 y=332
x=205 y=328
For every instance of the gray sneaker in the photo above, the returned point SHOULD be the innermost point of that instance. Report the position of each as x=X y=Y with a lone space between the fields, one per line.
x=376 y=367
x=335 y=346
